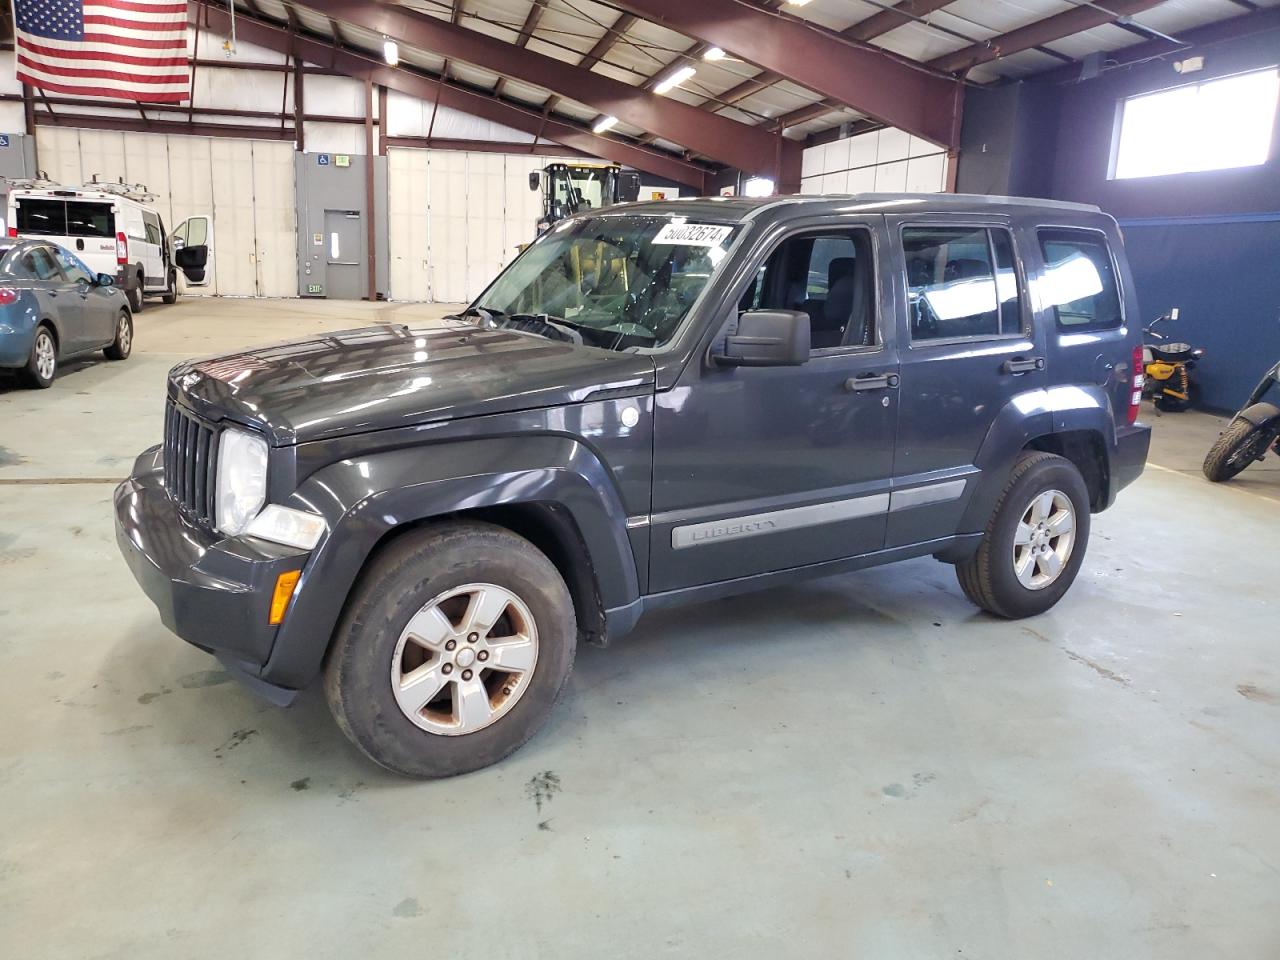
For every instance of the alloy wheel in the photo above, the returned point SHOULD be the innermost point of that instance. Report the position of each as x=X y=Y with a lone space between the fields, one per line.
x=464 y=659
x=46 y=356
x=124 y=334
x=1044 y=539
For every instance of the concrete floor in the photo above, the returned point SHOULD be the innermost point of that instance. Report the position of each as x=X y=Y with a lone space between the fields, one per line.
x=863 y=766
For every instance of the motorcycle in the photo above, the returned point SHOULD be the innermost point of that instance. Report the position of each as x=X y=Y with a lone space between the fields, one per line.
x=1167 y=367
x=1254 y=430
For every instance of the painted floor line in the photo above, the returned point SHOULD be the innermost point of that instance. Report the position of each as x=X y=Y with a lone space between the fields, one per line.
x=1188 y=476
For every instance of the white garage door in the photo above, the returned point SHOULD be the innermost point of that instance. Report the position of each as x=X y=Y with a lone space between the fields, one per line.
x=456 y=219
x=247 y=185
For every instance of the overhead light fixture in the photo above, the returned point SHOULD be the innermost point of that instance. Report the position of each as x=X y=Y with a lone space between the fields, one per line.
x=758 y=187
x=796 y=3
x=674 y=79
x=391 y=52
x=603 y=124
x=713 y=54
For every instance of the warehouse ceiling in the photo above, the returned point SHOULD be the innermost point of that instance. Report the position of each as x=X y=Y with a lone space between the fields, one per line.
x=761 y=66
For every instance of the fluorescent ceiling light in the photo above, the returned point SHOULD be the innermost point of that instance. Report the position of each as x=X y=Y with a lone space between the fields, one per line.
x=603 y=124
x=796 y=3
x=713 y=54
x=674 y=79
x=391 y=52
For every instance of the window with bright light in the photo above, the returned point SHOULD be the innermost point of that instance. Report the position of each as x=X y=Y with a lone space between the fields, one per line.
x=1214 y=125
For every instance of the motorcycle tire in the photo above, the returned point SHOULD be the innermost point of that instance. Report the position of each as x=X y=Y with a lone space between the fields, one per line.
x=1241 y=444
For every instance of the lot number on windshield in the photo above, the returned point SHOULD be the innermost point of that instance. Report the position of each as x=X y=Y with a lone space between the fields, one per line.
x=693 y=234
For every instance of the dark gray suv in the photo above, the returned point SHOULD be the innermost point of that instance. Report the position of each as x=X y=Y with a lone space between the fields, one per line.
x=656 y=403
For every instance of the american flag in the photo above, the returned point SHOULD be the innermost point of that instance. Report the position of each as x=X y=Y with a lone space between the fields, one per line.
x=126 y=49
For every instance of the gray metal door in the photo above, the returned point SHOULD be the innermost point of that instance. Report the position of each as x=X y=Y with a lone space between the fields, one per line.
x=344 y=255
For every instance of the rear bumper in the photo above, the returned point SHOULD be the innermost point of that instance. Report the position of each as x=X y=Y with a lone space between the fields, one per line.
x=1130 y=457
x=15 y=345
x=212 y=591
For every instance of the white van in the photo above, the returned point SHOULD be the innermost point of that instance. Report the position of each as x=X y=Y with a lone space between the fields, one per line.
x=111 y=232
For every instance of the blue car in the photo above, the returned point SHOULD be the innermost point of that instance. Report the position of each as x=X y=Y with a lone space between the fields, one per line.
x=53 y=308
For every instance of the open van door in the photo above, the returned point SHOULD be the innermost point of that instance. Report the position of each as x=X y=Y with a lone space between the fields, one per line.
x=193 y=249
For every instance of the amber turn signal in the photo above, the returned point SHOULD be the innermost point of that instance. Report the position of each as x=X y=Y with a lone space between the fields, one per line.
x=283 y=594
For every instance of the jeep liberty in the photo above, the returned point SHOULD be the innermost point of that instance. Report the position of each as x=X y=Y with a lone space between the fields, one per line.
x=655 y=403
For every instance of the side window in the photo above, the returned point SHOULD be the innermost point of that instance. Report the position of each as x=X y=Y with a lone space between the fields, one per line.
x=828 y=275
x=152 y=224
x=1079 y=282
x=961 y=282
x=76 y=271
x=90 y=220
x=43 y=265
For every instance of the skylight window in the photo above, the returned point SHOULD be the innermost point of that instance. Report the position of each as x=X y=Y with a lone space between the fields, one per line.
x=1214 y=125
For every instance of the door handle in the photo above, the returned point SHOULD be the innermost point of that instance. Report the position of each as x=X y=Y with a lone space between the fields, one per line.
x=871 y=382
x=1022 y=365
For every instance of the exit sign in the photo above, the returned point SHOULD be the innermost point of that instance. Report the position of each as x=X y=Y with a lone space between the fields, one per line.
x=314 y=288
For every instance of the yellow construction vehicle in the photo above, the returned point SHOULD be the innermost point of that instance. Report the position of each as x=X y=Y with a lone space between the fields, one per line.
x=569 y=188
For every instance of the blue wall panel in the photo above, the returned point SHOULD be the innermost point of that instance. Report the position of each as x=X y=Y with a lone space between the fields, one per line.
x=1223 y=274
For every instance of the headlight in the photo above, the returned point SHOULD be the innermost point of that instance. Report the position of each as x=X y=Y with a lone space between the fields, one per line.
x=242 y=480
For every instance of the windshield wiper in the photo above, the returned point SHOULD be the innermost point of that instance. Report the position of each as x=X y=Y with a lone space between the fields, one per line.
x=487 y=317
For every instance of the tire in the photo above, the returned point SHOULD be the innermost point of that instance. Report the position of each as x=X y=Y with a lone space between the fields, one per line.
x=1230 y=454
x=171 y=289
x=137 y=299
x=122 y=345
x=371 y=654
x=42 y=364
x=989 y=578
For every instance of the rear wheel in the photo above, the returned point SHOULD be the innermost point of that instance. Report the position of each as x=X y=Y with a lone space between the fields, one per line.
x=43 y=362
x=1240 y=444
x=122 y=345
x=1035 y=541
x=453 y=650
x=136 y=298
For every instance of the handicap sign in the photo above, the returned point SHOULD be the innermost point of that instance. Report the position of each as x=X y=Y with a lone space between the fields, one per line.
x=322 y=159
x=4 y=139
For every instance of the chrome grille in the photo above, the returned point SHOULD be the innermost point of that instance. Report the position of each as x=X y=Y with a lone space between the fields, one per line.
x=190 y=455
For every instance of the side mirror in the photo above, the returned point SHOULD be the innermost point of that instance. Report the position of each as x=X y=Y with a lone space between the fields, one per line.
x=535 y=180
x=767 y=338
x=106 y=280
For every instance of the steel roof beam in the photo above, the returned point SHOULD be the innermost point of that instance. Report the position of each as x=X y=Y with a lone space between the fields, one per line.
x=1057 y=27
x=361 y=66
x=753 y=150
x=905 y=95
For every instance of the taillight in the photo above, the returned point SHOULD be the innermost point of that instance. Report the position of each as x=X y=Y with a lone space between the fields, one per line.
x=1135 y=385
x=122 y=249
x=13 y=231
x=7 y=296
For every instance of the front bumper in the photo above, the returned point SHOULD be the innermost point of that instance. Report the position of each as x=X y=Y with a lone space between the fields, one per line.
x=212 y=591
x=1130 y=457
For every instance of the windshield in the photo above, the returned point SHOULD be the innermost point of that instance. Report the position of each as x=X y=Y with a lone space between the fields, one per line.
x=612 y=282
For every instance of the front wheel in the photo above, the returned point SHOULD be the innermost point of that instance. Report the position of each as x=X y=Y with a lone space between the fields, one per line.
x=1240 y=444
x=1035 y=541
x=453 y=650
x=171 y=288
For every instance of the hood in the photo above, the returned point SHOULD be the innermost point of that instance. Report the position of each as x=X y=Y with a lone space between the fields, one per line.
x=386 y=376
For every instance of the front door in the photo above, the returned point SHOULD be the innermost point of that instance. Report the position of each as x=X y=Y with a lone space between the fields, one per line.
x=969 y=348
x=344 y=265
x=192 y=244
x=94 y=327
x=761 y=469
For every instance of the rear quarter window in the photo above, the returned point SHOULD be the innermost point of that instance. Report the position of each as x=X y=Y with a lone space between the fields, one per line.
x=44 y=217
x=1079 y=283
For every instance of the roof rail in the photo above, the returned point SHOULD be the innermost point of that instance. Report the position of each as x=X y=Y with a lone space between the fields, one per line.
x=130 y=191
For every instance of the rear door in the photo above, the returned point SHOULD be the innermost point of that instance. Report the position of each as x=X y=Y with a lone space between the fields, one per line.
x=91 y=234
x=192 y=242
x=969 y=348
x=153 y=265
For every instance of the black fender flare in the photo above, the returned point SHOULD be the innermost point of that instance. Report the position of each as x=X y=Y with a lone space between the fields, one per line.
x=1261 y=414
x=365 y=498
x=1026 y=418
